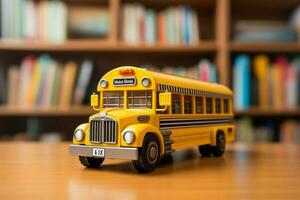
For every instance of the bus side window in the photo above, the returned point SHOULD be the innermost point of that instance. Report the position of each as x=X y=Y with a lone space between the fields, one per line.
x=226 y=106
x=218 y=105
x=188 y=105
x=176 y=104
x=209 y=105
x=199 y=105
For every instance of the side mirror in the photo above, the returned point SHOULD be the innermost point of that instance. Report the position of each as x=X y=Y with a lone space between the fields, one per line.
x=165 y=99
x=94 y=100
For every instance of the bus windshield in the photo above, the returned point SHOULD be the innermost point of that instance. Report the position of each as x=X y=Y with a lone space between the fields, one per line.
x=139 y=99
x=135 y=99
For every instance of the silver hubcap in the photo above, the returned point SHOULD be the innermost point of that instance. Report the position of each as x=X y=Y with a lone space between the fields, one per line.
x=152 y=152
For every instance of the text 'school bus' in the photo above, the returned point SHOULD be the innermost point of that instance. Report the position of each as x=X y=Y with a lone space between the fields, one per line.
x=145 y=114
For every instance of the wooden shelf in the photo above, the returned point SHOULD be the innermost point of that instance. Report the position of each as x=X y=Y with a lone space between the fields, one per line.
x=72 y=111
x=279 y=47
x=256 y=112
x=104 y=46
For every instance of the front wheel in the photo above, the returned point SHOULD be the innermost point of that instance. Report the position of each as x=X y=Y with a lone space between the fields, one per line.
x=149 y=155
x=91 y=162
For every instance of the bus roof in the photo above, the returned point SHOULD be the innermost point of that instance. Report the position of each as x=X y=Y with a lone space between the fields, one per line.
x=174 y=80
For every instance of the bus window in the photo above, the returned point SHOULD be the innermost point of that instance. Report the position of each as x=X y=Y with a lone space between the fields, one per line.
x=209 y=105
x=199 y=105
x=176 y=104
x=139 y=99
x=113 y=99
x=226 y=106
x=188 y=106
x=217 y=105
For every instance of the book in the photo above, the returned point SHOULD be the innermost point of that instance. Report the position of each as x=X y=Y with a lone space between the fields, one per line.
x=43 y=63
x=13 y=79
x=282 y=64
x=3 y=86
x=296 y=65
x=47 y=90
x=274 y=82
x=175 y=25
x=288 y=130
x=55 y=88
x=82 y=81
x=241 y=82
x=150 y=27
x=276 y=87
x=66 y=91
x=43 y=82
x=161 y=21
x=26 y=71
x=244 y=130
x=186 y=25
x=291 y=87
x=250 y=131
x=263 y=30
x=34 y=20
x=204 y=70
x=261 y=65
x=88 y=21
x=30 y=21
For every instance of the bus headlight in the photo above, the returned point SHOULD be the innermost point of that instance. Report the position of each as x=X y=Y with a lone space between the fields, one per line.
x=146 y=82
x=79 y=135
x=129 y=137
x=103 y=83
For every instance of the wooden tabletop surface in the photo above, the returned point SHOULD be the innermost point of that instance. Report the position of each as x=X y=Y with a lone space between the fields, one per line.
x=47 y=171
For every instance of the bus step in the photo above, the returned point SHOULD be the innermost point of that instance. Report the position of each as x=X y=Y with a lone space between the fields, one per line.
x=169 y=151
x=167 y=142
x=166 y=133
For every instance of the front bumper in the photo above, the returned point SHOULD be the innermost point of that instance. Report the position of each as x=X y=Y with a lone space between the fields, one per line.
x=110 y=152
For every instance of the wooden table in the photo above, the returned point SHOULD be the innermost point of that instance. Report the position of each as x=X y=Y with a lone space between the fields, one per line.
x=47 y=171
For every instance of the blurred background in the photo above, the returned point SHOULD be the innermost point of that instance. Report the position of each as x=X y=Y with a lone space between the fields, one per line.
x=53 y=53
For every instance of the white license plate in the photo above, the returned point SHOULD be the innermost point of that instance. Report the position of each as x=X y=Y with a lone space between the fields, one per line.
x=98 y=152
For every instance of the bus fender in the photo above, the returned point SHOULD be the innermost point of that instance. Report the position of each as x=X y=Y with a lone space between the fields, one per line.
x=85 y=128
x=140 y=131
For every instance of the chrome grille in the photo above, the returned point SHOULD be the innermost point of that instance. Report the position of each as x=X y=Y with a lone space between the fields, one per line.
x=103 y=130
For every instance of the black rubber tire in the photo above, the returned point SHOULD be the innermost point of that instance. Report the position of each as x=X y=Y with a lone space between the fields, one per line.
x=205 y=150
x=91 y=162
x=147 y=162
x=219 y=149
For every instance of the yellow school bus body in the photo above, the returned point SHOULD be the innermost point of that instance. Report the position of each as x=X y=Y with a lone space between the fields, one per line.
x=181 y=133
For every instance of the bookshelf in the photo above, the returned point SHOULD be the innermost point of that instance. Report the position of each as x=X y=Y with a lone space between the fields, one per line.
x=257 y=112
x=47 y=112
x=104 y=46
x=216 y=18
x=269 y=47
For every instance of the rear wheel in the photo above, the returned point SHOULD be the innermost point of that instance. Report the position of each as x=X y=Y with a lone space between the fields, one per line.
x=91 y=162
x=219 y=149
x=205 y=150
x=149 y=155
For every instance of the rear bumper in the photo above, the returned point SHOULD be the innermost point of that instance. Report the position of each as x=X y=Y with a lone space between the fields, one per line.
x=109 y=152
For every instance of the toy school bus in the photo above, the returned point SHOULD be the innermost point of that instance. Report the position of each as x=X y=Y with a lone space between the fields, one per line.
x=143 y=115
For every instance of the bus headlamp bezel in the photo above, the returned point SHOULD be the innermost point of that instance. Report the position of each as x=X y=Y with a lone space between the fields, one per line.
x=129 y=137
x=146 y=82
x=79 y=135
x=103 y=83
